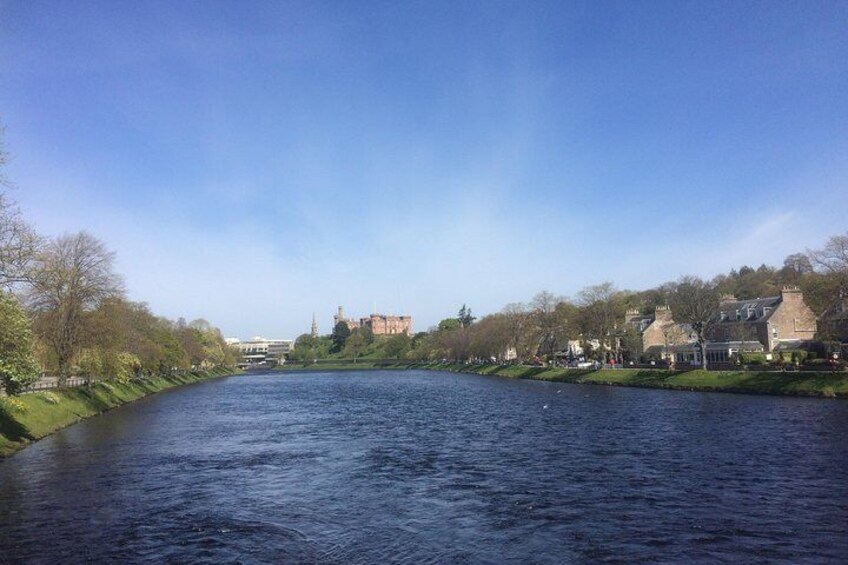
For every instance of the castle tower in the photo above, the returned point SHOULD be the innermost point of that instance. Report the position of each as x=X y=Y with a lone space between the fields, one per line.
x=314 y=326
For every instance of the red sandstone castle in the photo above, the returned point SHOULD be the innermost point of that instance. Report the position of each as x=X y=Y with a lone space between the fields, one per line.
x=379 y=324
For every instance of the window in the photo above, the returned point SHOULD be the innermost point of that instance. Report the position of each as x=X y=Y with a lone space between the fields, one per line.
x=738 y=315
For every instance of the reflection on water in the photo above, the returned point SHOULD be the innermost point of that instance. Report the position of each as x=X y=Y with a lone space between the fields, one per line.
x=433 y=468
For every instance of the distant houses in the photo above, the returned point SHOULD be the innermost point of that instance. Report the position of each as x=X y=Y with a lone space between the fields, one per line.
x=762 y=325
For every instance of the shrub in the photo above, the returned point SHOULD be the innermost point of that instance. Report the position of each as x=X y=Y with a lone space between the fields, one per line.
x=11 y=404
x=753 y=358
x=793 y=356
x=126 y=366
x=50 y=398
x=818 y=362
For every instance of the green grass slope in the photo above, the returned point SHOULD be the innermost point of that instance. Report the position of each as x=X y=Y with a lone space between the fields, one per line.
x=790 y=383
x=30 y=417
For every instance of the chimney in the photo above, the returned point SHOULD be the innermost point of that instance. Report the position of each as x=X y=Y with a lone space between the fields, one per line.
x=631 y=314
x=727 y=298
x=662 y=313
x=791 y=294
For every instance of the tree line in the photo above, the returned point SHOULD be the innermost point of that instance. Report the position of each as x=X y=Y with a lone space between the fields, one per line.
x=64 y=311
x=537 y=329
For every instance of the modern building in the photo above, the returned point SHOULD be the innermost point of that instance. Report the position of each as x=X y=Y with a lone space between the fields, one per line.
x=262 y=352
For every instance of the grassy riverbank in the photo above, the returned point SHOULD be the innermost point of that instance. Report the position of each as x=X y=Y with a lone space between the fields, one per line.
x=749 y=382
x=30 y=417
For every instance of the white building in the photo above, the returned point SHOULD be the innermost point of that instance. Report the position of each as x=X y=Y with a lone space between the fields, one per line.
x=261 y=352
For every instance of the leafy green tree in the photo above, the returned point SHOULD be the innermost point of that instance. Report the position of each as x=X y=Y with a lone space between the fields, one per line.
x=423 y=347
x=367 y=334
x=355 y=344
x=397 y=346
x=124 y=366
x=18 y=368
x=90 y=364
x=305 y=349
x=464 y=316
x=340 y=334
x=450 y=324
x=214 y=348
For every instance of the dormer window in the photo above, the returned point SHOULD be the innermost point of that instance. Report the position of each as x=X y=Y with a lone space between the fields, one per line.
x=766 y=310
x=738 y=315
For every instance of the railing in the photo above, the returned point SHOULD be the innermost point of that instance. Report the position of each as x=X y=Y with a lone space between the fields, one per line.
x=46 y=383
x=50 y=382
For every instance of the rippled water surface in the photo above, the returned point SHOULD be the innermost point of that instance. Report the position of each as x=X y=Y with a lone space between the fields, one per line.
x=416 y=467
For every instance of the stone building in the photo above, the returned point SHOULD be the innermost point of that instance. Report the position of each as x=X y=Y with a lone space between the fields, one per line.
x=833 y=323
x=659 y=333
x=777 y=322
x=340 y=317
x=379 y=324
x=388 y=325
x=760 y=325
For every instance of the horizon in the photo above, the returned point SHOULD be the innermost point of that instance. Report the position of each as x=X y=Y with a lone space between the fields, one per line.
x=252 y=164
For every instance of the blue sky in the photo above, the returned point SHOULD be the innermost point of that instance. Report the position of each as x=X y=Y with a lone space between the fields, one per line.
x=253 y=162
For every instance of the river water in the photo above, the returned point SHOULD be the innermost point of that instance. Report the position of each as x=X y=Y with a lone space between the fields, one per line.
x=415 y=467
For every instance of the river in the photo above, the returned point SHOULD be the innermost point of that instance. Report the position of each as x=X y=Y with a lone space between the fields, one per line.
x=426 y=467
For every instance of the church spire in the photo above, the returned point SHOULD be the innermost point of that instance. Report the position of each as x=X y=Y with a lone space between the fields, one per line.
x=314 y=326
